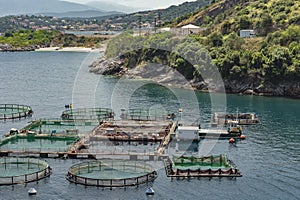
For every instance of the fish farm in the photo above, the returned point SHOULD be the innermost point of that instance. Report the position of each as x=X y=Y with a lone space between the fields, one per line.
x=111 y=173
x=122 y=150
x=22 y=170
x=14 y=111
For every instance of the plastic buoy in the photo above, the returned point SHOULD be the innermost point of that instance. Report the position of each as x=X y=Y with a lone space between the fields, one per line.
x=242 y=137
x=32 y=191
x=149 y=191
x=231 y=140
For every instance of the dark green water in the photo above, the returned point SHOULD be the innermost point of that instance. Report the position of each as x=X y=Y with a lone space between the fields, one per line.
x=268 y=159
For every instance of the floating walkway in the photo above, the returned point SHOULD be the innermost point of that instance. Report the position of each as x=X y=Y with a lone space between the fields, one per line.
x=14 y=111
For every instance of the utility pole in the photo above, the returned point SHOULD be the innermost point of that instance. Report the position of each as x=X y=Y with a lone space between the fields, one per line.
x=155 y=20
x=140 y=25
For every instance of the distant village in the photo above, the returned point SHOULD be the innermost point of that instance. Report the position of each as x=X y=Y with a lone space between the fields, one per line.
x=53 y=23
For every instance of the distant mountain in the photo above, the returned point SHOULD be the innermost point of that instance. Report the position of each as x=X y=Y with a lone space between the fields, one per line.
x=82 y=14
x=18 y=7
x=108 y=6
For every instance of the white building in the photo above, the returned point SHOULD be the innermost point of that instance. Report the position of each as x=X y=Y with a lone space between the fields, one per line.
x=188 y=132
x=190 y=29
x=247 y=33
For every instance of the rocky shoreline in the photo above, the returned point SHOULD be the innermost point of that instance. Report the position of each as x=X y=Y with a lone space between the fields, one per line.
x=9 y=48
x=165 y=75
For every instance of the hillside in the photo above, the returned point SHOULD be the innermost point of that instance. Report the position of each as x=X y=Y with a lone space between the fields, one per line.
x=264 y=16
x=268 y=64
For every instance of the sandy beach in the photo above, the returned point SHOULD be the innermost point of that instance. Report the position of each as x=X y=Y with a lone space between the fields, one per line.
x=72 y=49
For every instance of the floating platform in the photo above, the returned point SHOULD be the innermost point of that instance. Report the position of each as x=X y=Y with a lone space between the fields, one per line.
x=196 y=132
x=222 y=119
x=217 y=133
x=137 y=134
x=14 y=111
x=131 y=130
x=190 y=166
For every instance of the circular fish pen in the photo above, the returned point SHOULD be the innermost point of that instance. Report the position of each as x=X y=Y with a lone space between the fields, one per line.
x=88 y=114
x=22 y=170
x=14 y=111
x=111 y=173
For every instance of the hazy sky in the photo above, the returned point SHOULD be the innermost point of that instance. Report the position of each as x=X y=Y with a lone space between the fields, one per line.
x=140 y=3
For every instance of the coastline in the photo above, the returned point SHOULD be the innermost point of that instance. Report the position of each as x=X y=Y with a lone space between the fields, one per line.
x=117 y=67
x=70 y=49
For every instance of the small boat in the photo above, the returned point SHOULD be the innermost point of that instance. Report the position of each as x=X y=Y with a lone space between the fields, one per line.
x=150 y=191
x=32 y=191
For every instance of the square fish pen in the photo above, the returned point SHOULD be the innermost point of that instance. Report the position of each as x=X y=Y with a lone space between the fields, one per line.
x=210 y=166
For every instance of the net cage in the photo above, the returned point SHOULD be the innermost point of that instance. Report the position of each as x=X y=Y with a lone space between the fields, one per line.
x=210 y=166
x=111 y=173
x=60 y=126
x=208 y=161
x=99 y=114
x=22 y=170
x=147 y=115
x=14 y=111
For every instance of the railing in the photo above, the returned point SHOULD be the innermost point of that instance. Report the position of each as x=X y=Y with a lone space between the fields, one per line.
x=15 y=111
x=88 y=113
x=46 y=171
x=143 y=114
x=72 y=175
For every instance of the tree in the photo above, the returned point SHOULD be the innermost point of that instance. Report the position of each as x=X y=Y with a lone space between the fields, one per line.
x=233 y=41
x=245 y=22
x=264 y=25
x=215 y=39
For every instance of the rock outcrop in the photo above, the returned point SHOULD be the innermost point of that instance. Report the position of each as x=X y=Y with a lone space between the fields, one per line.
x=165 y=75
x=9 y=48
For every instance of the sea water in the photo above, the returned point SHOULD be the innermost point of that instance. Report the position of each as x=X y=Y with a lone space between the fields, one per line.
x=268 y=159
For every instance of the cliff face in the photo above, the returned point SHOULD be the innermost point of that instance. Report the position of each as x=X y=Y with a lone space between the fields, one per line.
x=166 y=75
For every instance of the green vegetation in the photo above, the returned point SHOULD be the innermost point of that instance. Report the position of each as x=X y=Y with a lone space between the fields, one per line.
x=25 y=38
x=44 y=38
x=264 y=16
x=274 y=58
x=258 y=61
x=183 y=54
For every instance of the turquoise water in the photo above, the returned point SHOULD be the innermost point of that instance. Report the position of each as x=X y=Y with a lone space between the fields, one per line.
x=32 y=144
x=268 y=159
